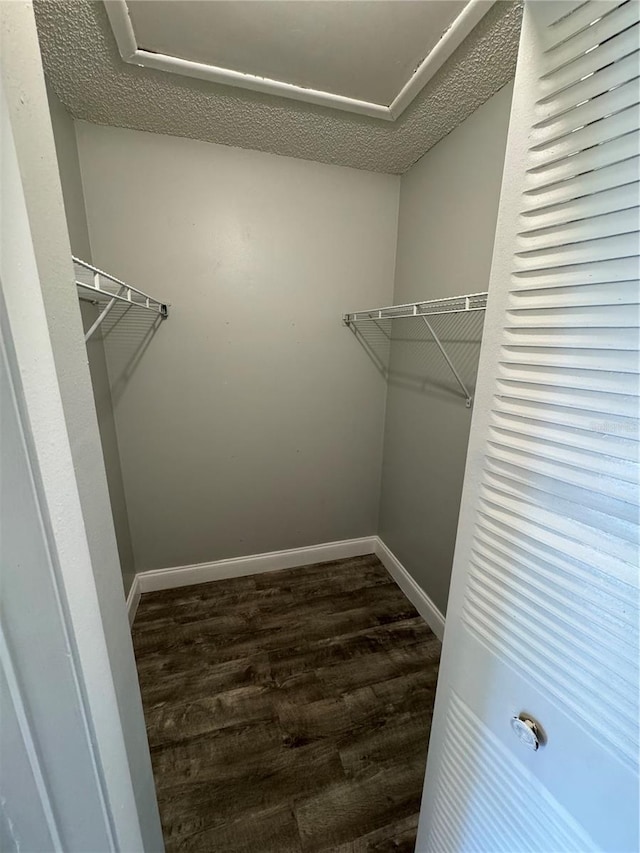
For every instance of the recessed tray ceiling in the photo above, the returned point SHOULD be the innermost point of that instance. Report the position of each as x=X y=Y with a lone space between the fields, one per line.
x=366 y=51
x=370 y=58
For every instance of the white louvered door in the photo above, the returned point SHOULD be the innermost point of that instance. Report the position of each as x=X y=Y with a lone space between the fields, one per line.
x=543 y=611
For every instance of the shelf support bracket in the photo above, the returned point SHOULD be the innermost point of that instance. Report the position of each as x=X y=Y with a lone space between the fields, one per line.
x=465 y=391
x=101 y=316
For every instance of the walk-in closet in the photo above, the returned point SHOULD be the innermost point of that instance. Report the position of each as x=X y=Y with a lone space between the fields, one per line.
x=321 y=337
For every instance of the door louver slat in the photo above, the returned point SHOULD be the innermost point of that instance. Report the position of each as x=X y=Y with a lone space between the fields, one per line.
x=591 y=224
x=615 y=270
x=580 y=19
x=598 y=83
x=610 y=447
x=615 y=25
x=589 y=113
x=595 y=201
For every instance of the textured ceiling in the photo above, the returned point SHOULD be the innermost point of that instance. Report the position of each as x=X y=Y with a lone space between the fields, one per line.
x=85 y=69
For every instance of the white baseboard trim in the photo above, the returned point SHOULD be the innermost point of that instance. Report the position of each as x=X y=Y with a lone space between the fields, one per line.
x=133 y=599
x=157 y=579
x=416 y=595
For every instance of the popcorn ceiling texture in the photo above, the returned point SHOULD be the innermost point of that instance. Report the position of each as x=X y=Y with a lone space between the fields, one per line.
x=85 y=69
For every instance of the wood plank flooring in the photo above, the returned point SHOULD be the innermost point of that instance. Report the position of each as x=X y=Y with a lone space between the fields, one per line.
x=288 y=711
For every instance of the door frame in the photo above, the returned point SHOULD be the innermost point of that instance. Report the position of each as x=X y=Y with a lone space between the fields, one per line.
x=49 y=369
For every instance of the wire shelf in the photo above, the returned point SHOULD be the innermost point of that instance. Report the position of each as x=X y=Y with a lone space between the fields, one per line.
x=105 y=288
x=428 y=308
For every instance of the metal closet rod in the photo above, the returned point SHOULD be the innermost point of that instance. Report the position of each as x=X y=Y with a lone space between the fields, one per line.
x=119 y=292
x=430 y=308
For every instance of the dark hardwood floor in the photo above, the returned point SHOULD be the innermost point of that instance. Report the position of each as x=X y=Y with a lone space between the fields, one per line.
x=288 y=711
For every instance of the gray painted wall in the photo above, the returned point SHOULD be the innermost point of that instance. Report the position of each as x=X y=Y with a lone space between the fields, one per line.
x=64 y=135
x=109 y=440
x=251 y=420
x=69 y=167
x=448 y=211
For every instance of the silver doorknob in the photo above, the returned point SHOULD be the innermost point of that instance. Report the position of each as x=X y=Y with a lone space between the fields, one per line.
x=527 y=731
